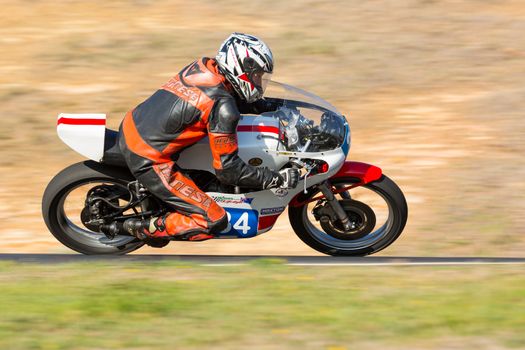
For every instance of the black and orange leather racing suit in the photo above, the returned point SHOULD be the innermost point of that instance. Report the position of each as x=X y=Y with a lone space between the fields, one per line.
x=194 y=103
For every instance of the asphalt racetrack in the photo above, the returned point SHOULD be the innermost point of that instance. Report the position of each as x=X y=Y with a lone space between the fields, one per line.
x=225 y=260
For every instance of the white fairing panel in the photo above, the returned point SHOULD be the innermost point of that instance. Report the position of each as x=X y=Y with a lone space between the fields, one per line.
x=198 y=156
x=250 y=214
x=84 y=133
x=255 y=135
x=254 y=213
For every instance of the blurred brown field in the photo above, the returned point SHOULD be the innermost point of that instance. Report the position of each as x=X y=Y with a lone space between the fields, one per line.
x=434 y=91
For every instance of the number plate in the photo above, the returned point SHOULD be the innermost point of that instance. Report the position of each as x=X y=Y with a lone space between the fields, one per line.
x=241 y=223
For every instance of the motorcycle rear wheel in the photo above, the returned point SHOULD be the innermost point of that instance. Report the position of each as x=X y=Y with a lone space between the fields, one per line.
x=371 y=243
x=64 y=227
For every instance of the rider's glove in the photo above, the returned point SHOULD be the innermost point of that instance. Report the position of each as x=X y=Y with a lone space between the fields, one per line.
x=290 y=177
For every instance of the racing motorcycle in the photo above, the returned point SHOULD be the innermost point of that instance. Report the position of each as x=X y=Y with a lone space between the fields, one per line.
x=340 y=207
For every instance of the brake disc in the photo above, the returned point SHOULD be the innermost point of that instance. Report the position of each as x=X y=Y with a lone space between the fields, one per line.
x=361 y=216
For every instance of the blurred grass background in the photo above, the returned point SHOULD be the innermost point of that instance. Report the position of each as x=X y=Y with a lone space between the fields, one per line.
x=266 y=305
x=434 y=91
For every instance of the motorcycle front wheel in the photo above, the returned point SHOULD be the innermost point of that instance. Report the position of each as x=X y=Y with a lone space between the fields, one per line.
x=378 y=210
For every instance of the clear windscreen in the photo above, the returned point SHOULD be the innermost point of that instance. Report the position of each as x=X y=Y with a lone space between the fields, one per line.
x=308 y=123
x=302 y=134
x=290 y=93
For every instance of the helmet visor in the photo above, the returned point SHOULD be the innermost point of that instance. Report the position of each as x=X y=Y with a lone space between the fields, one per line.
x=261 y=79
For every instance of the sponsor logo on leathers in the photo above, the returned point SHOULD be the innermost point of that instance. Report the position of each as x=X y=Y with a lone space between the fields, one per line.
x=274 y=182
x=191 y=193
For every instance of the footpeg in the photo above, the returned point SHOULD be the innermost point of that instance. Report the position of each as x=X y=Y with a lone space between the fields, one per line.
x=111 y=230
x=134 y=227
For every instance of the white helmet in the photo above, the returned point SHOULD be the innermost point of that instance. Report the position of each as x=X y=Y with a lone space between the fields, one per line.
x=247 y=63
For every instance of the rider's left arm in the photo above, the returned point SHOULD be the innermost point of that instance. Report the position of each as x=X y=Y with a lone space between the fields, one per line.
x=229 y=167
x=263 y=105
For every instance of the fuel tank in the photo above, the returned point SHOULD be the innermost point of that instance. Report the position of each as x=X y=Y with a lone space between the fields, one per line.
x=255 y=135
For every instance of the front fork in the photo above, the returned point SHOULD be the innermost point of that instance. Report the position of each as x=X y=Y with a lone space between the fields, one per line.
x=364 y=173
x=326 y=189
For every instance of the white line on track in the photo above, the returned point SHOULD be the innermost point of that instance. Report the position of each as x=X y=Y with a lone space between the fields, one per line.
x=410 y=264
x=471 y=263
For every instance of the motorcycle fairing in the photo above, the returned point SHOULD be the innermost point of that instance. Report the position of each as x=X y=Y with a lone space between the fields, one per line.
x=269 y=204
x=254 y=134
x=263 y=208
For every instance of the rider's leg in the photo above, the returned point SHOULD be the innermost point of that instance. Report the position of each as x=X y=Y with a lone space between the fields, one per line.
x=196 y=216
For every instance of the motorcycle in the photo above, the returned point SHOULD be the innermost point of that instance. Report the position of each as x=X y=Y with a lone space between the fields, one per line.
x=340 y=207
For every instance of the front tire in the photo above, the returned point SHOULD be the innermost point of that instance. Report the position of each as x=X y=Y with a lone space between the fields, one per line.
x=64 y=229
x=374 y=241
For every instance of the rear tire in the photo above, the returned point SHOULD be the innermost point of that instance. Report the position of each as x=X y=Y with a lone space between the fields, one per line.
x=74 y=237
x=320 y=241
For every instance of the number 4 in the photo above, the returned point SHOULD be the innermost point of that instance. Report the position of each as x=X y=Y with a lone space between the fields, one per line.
x=242 y=224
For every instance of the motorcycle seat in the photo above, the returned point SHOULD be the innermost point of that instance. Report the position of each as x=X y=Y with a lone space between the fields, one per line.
x=112 y=154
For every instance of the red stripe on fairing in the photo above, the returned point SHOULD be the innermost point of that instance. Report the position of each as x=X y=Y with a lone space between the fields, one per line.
x=267 y=221
x=74 y=121
x=258 y=128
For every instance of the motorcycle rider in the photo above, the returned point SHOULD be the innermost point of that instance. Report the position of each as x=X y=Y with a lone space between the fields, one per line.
x=204 y=99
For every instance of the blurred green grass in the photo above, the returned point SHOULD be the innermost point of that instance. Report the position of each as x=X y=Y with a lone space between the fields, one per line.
x=265 y=305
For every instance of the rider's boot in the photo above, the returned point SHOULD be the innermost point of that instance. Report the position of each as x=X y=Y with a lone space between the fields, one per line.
x=143 y=229
x=156 y=228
